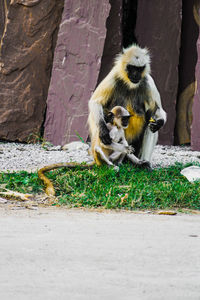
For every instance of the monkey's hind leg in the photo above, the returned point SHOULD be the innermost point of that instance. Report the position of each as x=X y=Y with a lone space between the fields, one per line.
x=121 y=158
x=104 y=158
x=115 y=156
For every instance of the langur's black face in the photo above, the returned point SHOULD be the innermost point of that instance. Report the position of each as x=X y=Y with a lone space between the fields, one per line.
x=134 y=73
x=125 y=121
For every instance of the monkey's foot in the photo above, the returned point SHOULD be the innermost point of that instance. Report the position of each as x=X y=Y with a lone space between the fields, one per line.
x=116 y=168
x=144 y=164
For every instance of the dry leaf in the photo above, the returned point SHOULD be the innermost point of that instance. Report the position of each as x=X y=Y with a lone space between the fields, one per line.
x=124 y=198
x=168 y=213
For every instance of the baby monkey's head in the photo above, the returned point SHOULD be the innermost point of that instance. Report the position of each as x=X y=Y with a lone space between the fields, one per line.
x=119 y=117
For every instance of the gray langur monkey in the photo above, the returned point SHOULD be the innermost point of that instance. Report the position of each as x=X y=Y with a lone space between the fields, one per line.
x=130 y=85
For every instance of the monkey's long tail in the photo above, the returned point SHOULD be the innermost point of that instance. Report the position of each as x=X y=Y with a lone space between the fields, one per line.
x=49 y=190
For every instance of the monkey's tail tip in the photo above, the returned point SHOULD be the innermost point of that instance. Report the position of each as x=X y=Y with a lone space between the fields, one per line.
x=50 y=191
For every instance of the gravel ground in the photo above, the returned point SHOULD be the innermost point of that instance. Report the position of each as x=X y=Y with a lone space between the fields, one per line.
x=30 y=157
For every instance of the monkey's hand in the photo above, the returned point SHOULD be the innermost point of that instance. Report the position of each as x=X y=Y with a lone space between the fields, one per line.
x=104 y=134
x=130 y=149
x=155 y=125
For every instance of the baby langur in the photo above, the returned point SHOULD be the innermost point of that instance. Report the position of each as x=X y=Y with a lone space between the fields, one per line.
x=116 y=121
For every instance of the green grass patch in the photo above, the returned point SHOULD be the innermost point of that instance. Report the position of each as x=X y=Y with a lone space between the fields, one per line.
x=130 y=188
x=22 y=182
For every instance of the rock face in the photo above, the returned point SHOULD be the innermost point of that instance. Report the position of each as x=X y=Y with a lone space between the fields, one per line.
x=3 y=11
x=113 y=41
x=76 y=67
x=158 y=27
x=25 y=65
x=187 y=64
x=195 y=132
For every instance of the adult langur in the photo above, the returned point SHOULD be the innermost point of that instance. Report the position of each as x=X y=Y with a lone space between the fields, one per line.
x=130 y=85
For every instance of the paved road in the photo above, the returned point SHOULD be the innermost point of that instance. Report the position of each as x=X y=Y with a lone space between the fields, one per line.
x=65 y=254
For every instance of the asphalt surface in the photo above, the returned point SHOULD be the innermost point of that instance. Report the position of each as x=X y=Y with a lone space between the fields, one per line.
x=74 y=254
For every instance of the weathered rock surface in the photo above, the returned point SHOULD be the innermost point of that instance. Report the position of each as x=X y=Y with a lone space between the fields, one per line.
x=76 y=67
x=113 y=41
x=73 y=146
x=195 y=131
x=187 y=64
x=25 y=65
x=158 y=27
x=3 y=11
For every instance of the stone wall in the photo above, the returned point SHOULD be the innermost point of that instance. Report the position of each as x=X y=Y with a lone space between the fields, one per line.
x=113 y=41
x=4 y=5
x=26 y=56
x=90 y=35
x=187 y=64
x=76 y=68
x=158 y=27
x=195 y=131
